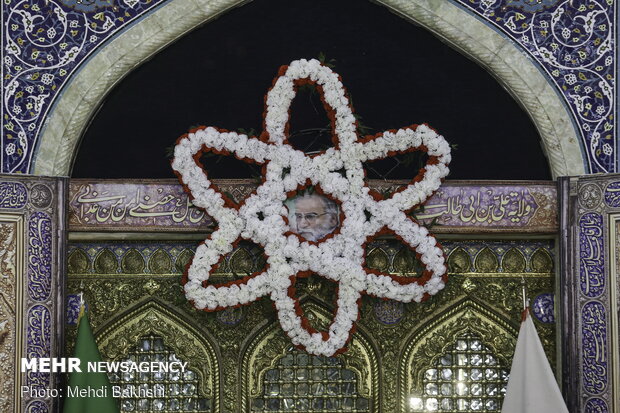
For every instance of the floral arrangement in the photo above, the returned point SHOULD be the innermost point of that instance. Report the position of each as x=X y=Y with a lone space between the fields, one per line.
x=339 y=173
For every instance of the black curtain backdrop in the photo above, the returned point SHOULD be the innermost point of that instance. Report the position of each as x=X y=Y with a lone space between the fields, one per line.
x=396 y=72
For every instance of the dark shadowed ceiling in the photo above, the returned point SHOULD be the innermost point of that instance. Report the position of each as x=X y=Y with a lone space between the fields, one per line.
x=397 y=74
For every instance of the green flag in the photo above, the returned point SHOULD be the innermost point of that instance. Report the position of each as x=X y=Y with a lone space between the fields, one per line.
x=88 y=391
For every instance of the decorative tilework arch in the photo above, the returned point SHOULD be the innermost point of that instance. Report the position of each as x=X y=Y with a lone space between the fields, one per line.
x=120 y=335
x=425 y=346
x=82 y=95
x=269 y=344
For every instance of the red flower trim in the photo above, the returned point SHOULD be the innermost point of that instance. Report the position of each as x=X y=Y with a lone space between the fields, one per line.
x=330 y=112
x=203 y=150
x=432 y=160
x=238 y=282
x=264 y=136
x=305 y=323
x=426 y=274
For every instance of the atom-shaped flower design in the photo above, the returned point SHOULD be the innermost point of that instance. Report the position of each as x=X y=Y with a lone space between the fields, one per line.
x=339 y=172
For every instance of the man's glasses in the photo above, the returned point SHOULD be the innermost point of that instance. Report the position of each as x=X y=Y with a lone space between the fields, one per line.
x=310 y=217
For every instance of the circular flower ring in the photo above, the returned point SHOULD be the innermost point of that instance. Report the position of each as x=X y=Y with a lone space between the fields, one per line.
x=261 y=217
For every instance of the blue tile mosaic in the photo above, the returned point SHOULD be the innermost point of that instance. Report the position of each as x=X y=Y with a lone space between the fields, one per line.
x=573 y=42
x=592 y=255
x=46 y=42
x=543 y=308
x=39 y=256
x=594 y=344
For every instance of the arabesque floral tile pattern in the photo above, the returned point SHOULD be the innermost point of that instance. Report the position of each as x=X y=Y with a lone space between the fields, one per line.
x=573 y=42
x=44 y=42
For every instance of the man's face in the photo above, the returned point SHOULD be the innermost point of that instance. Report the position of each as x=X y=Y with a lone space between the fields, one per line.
x=311 y=220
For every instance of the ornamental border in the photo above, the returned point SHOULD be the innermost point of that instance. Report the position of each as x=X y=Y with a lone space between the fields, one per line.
x=528 y=206
x=42 y=285
x=590 y=370
x=565 y=155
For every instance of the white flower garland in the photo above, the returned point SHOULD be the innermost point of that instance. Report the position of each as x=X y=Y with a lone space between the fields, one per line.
x=261 y=218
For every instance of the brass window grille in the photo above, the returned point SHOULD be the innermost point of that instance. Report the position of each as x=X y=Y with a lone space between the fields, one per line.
x=169 y=391
x=466 y=378
x=305 y=383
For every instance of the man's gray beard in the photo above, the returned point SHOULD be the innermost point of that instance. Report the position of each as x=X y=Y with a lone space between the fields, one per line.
x=316 y=234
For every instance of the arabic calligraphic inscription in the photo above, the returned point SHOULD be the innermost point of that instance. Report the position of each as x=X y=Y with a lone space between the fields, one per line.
x=496 y=206
x=589 y=196
x=13 y=195
x=612 y=195
x=594 y=339
x=39 y=256
x=469 y=205
x=592 y=256
x=133 y=206
x=456 y=207
x=40 y=196
x=596 y=405
x=38 y=345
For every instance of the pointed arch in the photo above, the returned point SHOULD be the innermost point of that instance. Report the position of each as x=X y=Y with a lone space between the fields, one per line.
x=269 y=344
x=117 y=337
x=427 y=344
x=83 y=94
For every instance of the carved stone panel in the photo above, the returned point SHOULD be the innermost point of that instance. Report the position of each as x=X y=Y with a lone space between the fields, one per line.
x=8 y=306
x=31 y=284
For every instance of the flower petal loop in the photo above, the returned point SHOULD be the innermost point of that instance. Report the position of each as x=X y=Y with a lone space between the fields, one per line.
x=261 y=218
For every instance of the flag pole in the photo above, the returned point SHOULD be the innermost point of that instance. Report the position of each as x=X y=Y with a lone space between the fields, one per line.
x=82 y=303
x=525 y=300
x=532 y=387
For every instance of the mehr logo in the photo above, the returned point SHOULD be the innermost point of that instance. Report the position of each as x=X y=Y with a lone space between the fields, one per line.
x=71 y=364
x=51 y=365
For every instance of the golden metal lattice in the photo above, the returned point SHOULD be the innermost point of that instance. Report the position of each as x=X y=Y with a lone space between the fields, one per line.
x=483 y=295
x=303 y=383
x=466 y=378
x=158 y=391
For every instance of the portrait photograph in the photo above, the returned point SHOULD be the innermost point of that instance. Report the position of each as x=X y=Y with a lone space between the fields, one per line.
x=313 y=216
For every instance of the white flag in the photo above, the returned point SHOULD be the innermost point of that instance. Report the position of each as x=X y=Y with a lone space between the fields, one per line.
x=531 y=387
